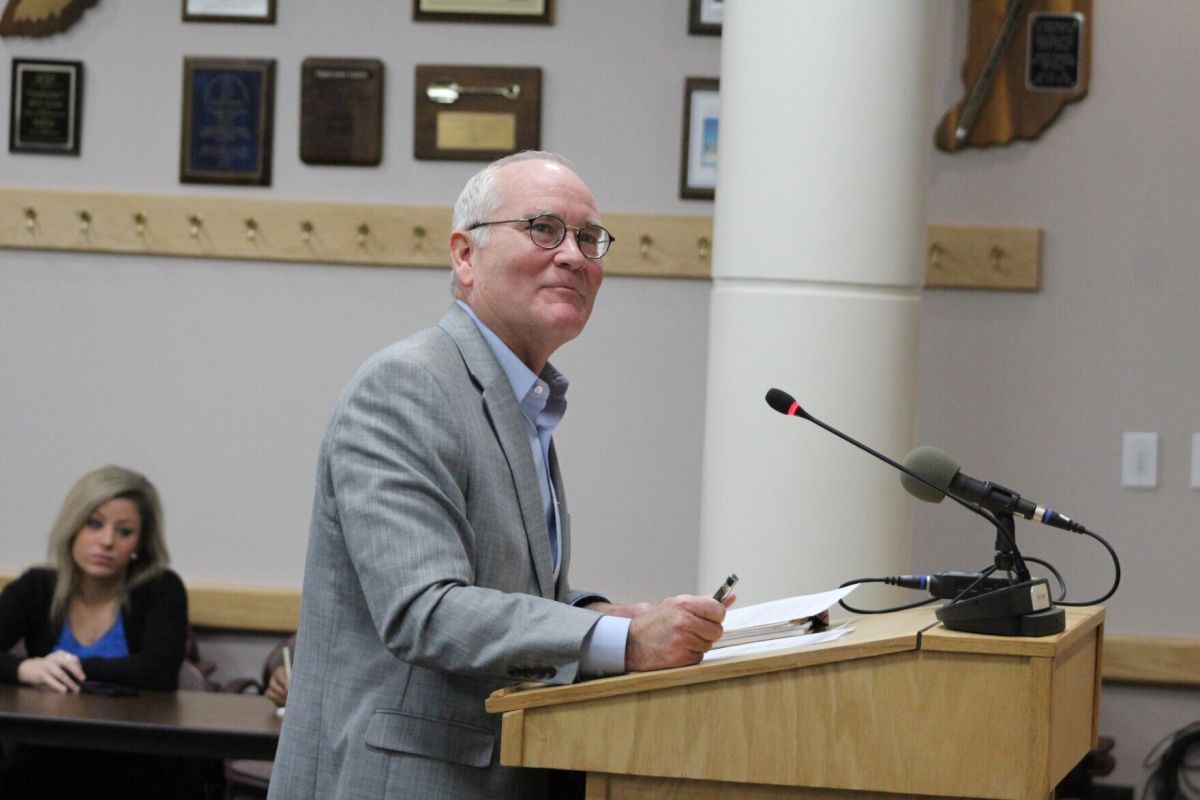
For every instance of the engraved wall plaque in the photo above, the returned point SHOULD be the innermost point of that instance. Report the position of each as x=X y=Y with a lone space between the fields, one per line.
x=228 y=115
x=1054 y=52
x=46 y=99
x=341 y=111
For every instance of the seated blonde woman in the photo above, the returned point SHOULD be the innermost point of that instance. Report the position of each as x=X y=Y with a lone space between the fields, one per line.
x=109 y=610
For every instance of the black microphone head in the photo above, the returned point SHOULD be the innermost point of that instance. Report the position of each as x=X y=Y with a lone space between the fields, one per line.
x=933 y=465
x=782 y=402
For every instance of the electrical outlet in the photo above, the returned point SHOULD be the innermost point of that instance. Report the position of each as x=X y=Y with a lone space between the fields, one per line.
x=1139 y=460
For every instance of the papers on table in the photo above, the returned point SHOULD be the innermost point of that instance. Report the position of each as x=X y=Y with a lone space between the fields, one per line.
x=778 y=623
x=784 y=643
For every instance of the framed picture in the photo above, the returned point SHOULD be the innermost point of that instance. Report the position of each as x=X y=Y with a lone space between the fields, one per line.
x=705 y=17
x=262 y=11
x=46 y=99
x=228 y=115
x=701 y=121
x=536 y=12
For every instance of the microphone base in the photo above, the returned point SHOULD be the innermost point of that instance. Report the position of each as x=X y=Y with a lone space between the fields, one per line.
x=1023 y=609
x=1039 y=623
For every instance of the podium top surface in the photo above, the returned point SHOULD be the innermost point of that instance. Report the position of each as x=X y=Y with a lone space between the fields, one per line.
x=873 y=636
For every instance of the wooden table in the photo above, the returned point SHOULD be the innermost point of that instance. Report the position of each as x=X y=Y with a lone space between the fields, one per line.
x=183 y=723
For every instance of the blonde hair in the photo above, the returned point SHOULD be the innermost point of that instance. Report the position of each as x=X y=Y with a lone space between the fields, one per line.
x=89 y=493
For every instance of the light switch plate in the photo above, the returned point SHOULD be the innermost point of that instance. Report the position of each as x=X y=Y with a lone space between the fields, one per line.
x=1139 y=460
x=1196 y=460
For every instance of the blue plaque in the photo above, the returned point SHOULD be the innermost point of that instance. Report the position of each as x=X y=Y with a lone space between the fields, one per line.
x=228 y=112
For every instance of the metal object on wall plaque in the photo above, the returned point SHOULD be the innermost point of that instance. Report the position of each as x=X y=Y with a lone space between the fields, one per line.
x=41 y=17
x=476 y=113
x=527 y=11
x=261 y=11
x=228 y=115
x=44 y=116
x=341 y=111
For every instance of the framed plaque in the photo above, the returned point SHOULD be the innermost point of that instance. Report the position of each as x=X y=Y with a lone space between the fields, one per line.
x=705 y=17
x=228 y=114
x=261 y=11
x=522 y=11
x=341 y=111
x=476 y=113
x=45 y=113
x=1054 y=52
x=701 y=121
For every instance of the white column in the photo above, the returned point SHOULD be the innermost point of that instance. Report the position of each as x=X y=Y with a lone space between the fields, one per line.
x=819 y=236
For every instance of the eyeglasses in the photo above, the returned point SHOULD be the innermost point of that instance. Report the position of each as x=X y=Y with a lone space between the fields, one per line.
x=548 y=231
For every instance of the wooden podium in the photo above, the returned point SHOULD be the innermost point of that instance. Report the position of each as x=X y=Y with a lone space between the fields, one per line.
x=900 y=707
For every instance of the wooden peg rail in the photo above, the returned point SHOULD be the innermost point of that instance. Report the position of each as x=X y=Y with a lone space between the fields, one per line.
x=201 y=226
x=327 y=233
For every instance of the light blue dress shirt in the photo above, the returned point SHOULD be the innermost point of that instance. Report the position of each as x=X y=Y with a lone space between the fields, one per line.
x=543 y=403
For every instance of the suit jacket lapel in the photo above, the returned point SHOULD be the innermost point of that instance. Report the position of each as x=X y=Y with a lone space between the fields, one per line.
x=564 y=516
x=509 y=426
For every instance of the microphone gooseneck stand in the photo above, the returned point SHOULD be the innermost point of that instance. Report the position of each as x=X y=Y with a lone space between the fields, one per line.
x=1022 y=608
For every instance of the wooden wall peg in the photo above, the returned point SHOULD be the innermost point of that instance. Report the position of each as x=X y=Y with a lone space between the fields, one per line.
x=1026 y=60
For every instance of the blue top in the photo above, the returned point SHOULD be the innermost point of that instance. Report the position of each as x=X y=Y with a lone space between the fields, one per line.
x=111 y=645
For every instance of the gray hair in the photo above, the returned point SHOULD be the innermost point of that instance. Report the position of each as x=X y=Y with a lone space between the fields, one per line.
x=481 y=197
x=89 y=493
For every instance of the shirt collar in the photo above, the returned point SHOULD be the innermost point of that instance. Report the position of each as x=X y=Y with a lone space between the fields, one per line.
x=525 y=384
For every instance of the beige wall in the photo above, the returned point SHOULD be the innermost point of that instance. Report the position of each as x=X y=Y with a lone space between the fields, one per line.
x=216 y=377
x=1034 y=390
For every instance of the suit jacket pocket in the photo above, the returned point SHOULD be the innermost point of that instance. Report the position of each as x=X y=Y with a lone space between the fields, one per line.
x=432 y=738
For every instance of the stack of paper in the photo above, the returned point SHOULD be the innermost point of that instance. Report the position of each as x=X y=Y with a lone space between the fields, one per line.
x=775 y=619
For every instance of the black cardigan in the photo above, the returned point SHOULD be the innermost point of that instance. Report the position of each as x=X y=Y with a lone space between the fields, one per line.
x=155 y=628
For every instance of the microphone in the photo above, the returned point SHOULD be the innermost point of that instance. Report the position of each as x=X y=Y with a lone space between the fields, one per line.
x=1001 y=607
x=940 y=470
x=787 y=405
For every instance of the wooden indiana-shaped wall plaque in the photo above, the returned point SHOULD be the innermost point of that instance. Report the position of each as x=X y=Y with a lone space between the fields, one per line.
x=476 y=113
x=41 y=17
x=1026 y=60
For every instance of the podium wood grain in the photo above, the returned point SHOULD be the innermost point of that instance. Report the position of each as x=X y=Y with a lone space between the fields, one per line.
x=900 y=707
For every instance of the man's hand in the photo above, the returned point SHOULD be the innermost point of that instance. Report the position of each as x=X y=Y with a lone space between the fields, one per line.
x=676 y=632
x=277 y=687
x=60 y=671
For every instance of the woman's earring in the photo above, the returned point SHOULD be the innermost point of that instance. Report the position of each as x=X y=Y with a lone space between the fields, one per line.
x=133 y=557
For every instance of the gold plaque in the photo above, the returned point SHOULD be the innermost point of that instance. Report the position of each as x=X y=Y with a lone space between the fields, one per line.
x=476 y=130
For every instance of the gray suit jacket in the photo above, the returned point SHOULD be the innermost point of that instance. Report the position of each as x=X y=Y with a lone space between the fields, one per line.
x=428 y=583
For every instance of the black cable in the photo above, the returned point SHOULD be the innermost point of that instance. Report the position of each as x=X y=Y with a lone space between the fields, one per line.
x=1116 y=576
x=1171 y=772
x=1062 y=585
x=854 y=610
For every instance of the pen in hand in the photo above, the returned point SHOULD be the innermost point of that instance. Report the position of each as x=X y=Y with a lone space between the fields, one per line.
x=726 y=588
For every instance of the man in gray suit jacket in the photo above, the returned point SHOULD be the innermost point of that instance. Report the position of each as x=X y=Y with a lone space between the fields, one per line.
x=440 y=543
